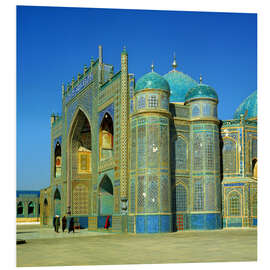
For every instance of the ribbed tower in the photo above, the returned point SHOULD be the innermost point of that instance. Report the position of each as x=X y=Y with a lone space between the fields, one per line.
x=124 y=136
x=205 y=188
x=149 y=195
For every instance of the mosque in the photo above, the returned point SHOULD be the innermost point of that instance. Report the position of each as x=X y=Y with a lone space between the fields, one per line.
x=151 y=155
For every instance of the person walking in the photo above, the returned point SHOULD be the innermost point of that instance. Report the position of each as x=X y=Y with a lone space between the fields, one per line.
x=64 y=223
x=71 y=225
x=107 y=223
x=57 y=223
x=54 y=224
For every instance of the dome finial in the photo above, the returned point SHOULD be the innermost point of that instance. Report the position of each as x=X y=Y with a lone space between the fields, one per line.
x=152 y=67
x=200 y=78
x=174 y=64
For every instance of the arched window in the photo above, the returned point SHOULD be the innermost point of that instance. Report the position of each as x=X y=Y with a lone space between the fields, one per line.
x=106 y=137
x=181 y=198
x=197 y=151
x=57 y=160
x=234 y=204
x=229 y=156
x=30 y=208
x=198 y=198
x=180 y=154
x=20 y=208
x=195 y=110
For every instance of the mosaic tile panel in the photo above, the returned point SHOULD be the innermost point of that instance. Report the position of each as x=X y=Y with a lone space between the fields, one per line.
x=229 y=156
x=164 y=193
x=198 y=195
x=180 y=154
x=181 y=198
x=152 y=194
x=141 y=147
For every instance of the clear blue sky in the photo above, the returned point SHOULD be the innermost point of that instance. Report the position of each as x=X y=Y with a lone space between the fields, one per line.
x=53 y=44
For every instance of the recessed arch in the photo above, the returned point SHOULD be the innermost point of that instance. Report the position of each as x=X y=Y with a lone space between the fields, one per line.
x=106 y=137
x=254 y=167
x=31 y=208
x=106 y=199
x=57 y=202
x=45 y=211
x=57 y=160
x=20 y=208
x=234 y=203
x=229 y=155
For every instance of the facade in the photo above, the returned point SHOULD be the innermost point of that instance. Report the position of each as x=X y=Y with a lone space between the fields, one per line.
x=153 y=156
x=28 y=206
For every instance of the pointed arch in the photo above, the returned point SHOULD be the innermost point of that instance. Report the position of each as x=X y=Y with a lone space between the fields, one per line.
x=57 y=202
x=45 y=212
x=57 y=160
x=20 y=208
x=254 y=168
x=234 y=203
x=106 y=137
x=229 y=155
x=31 y=208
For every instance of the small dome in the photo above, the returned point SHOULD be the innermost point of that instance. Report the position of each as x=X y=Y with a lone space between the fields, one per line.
x=152 y=80
x=250 y=105
x=201 y=91
x=179 y=83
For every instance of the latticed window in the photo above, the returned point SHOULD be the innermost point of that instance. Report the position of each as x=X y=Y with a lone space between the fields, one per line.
x=152 y=194
x=141 y=194
x=141 y=102
x=197 y=152
x=206 y=109
x=164 y=102
x=234 y=204
x=195 y=110
x=133 y=148
x=153 y=146
x=152 y=101
x=181 y=198
x=209 y=148
x=198 y=196
x=180 y=154
x=164 y=145
x=229 y=156
x=141 y=146
x=164 y=193
x=132 y=196
x=80 y=200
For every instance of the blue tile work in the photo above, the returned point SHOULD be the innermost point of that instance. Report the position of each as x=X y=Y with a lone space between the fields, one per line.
x=208 y=221
x=250 y=105
x=201 y=90
x=179 y=83
x=234 y=185
x=254 y=221
x=153 y=224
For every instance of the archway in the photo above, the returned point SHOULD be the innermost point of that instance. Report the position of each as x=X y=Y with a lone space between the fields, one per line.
x=31 y=209
x=106 y=200
x=45 y=212
x=57 y=202
x=20 y=208
x=106 y=137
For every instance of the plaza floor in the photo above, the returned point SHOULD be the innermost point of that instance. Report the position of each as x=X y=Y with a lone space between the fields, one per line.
x=44 y=247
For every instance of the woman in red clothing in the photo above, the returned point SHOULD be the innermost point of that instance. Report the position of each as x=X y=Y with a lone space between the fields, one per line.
x=107 y=223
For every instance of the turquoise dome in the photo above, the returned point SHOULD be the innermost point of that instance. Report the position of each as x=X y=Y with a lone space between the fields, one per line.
x=152 y=80
x=201 y=91
x=179 y=83
x=250 y=105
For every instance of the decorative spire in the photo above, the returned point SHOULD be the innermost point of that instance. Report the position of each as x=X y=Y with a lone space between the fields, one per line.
x=124 y=50
x=152 y=67
x=200 y=78
x=174 y=64
x=63 y=89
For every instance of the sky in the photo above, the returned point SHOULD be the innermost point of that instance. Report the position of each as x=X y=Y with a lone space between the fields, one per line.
x=53 y=45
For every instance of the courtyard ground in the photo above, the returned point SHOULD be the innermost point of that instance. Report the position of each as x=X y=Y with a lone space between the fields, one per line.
x=44 y=247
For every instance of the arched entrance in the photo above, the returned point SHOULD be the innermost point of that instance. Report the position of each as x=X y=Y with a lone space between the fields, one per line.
x=57 y=203
x=254 y=168
x=106 y=200
x=31 y=209
x=45 y=212
x=20 y=209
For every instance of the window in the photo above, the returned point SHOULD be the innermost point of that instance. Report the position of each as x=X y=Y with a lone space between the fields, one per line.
x=195 y=110
x=141 y=102
x=181 y=198
x=198 y=196
x=229 y=156
x=234 y=204
x=152 y=101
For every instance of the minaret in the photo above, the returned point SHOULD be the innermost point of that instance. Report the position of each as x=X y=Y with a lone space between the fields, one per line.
x=124 y=135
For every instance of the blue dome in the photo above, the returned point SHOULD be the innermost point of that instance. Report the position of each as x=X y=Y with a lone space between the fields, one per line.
x=201 y=91
x=179 y=83
x=152 y=80
x=250 y=105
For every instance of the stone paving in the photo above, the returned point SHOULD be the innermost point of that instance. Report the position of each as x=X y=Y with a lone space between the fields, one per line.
x=44 y=247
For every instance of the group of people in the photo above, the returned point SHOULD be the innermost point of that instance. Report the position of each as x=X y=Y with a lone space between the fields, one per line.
x=56 y=224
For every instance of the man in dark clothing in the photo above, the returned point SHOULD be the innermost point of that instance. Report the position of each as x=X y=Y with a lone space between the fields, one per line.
x=64 y=223
x=71 y=225
x=54 y=223
x=57 y=223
